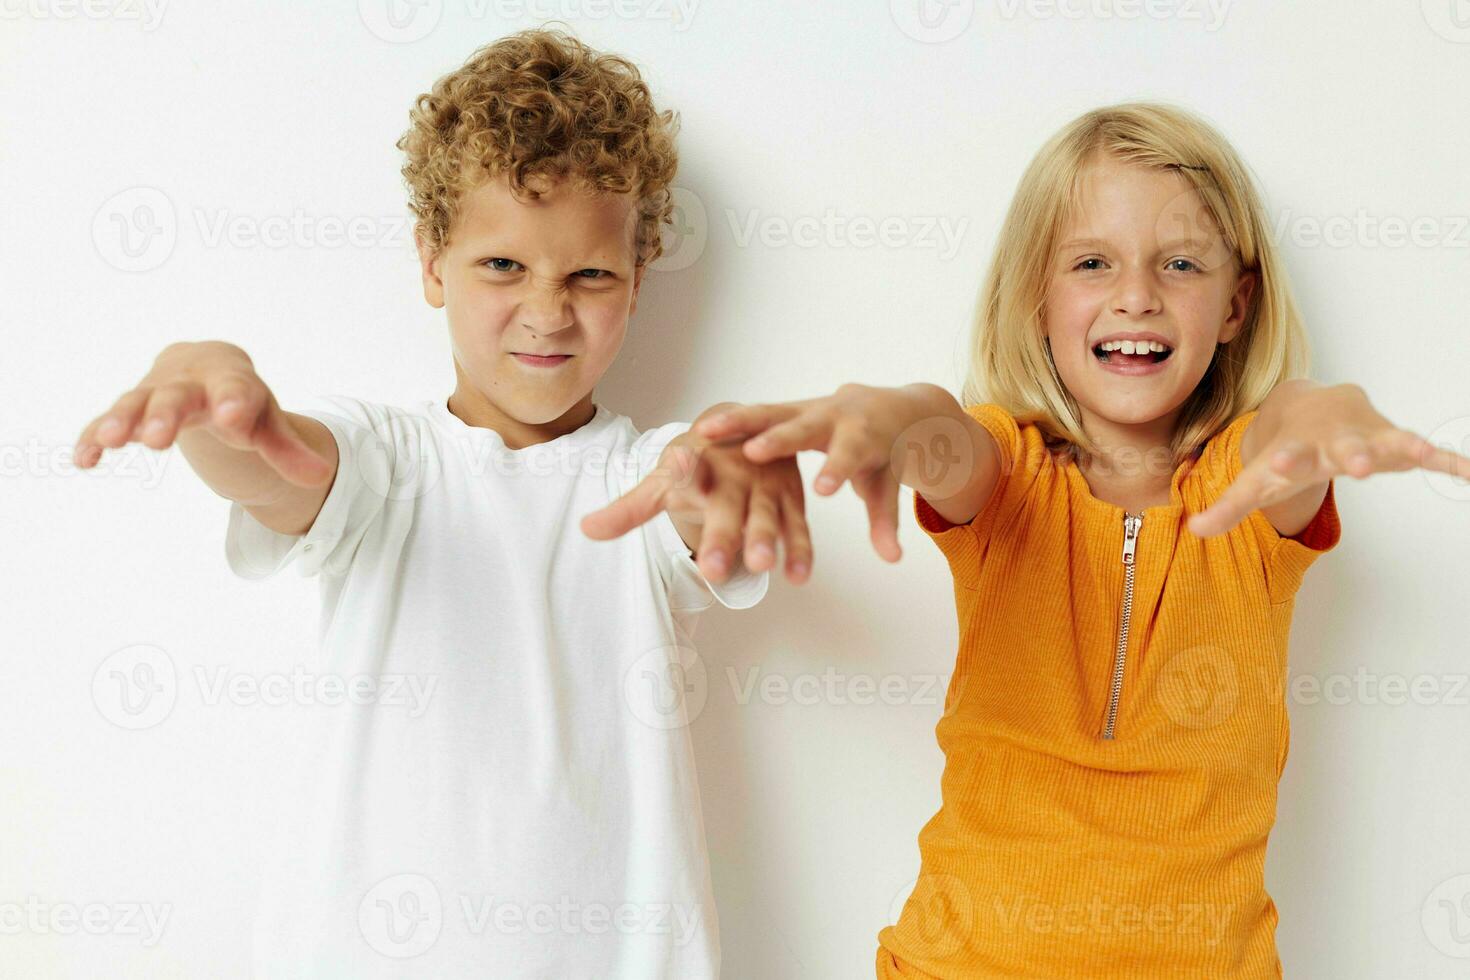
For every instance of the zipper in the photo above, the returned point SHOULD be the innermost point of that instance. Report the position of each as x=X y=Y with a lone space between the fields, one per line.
x=1131 y=524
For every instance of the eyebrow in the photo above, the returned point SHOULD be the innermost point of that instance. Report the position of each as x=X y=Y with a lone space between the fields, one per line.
x=1171 y=245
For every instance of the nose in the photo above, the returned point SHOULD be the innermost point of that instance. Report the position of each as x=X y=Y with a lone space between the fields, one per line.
x=544 y=310
x=1135 y=294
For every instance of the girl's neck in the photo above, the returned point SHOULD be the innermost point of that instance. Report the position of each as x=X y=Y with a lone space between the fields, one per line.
x=1134 y=465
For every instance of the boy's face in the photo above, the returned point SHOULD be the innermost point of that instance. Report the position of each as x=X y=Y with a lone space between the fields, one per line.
x=1140 y=255
x=538 y=295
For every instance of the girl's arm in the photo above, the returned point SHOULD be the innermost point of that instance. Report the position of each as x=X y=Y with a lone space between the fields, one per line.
x=1305 y=435
x=877 y=439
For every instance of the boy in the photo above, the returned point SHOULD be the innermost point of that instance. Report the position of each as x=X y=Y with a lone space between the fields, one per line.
x=538 y=816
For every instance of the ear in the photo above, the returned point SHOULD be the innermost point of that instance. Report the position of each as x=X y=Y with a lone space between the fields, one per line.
x=1240 y=304
x=430 y=260
x=637 y=281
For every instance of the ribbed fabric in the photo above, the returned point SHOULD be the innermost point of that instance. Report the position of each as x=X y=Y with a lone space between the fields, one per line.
x=1056 y=853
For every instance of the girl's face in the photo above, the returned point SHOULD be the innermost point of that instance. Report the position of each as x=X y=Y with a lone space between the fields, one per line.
x=1140 y=259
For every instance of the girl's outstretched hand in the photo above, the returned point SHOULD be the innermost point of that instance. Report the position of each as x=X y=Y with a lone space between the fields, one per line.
x=723 y=505
x=874 y=438
x=1322 y=432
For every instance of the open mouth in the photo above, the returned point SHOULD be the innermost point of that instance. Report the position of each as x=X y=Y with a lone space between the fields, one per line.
x=1130 y=353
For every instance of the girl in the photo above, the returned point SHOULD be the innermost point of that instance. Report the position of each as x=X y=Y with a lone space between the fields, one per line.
x=1128 y=504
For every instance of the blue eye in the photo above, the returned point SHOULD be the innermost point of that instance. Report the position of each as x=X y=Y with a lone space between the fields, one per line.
x=1089 y=265
x=1190 y=266
x=502 y=265
x=593 y=273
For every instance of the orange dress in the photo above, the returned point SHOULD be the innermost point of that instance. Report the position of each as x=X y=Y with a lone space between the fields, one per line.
x=1113 y=732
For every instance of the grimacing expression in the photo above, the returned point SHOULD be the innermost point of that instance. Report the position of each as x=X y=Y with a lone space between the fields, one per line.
x=1140 y=255
x=552 y=276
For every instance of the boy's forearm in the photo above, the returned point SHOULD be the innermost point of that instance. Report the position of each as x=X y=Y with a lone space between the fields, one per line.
x=241 y=475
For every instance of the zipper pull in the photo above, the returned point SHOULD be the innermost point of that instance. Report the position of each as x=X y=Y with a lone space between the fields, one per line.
x=1131 y=524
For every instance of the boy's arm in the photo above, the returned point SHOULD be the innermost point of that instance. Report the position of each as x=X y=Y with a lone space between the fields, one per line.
x=207 y=397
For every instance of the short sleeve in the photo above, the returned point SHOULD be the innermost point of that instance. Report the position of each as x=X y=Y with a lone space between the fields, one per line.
x=686 y=584
x=963 y=543
x=1287 y=558
x=365 y=439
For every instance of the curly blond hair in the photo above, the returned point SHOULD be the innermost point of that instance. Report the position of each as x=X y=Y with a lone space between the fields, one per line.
x=533 y=105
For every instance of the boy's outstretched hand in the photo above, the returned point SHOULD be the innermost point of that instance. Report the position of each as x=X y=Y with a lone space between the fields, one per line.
x=1310 y=435
x=721 y=503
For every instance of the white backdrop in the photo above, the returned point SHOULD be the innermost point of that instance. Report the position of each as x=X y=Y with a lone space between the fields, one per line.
x=172 y=171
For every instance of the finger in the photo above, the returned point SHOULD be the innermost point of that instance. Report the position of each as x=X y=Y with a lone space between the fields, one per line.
x=812 y=429
x=1426 y=455
x=850 y=452
x=633 y=509
x=762 y=526
x=796 y=537
x=879 y=490
x=746 y=420
x=719 y=539
x=168 y=407
x=110 y=429
x=282 y=447
x=1258 y=485
x=1351 y=454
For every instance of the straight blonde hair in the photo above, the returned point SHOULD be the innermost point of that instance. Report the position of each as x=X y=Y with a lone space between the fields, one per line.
x=1011 y=363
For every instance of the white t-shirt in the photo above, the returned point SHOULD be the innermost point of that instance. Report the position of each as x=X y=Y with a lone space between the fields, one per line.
x=503 y=784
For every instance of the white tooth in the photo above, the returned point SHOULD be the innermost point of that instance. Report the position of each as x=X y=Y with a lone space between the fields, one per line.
x=1128 y=347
